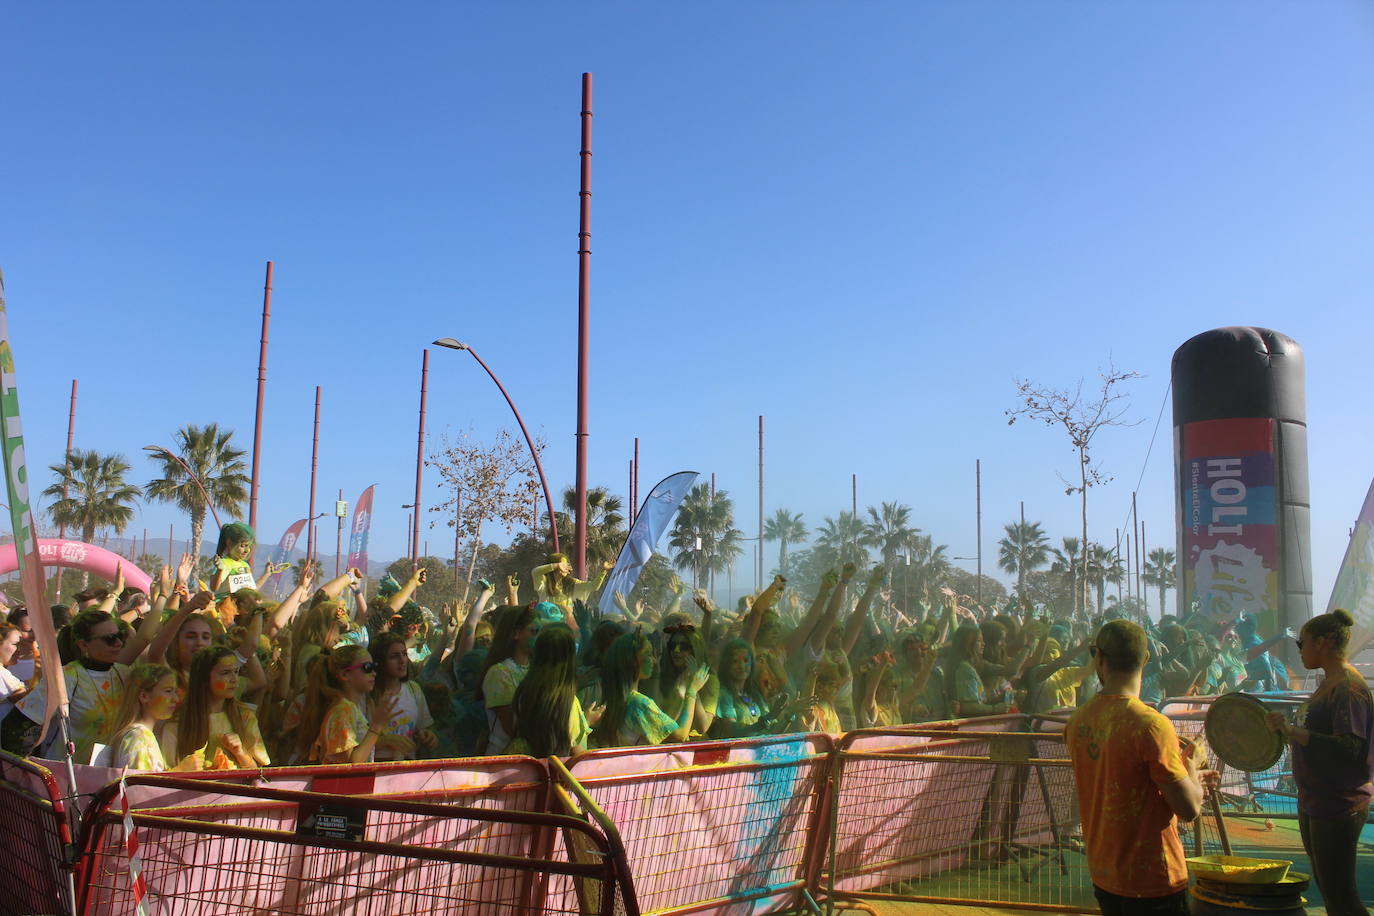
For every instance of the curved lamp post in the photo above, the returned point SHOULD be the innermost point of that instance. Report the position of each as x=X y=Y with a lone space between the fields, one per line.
x=189 y=473
x=451 y=344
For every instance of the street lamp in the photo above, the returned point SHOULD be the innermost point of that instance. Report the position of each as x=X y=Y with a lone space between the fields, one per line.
x=451 y=344
x=158 y=449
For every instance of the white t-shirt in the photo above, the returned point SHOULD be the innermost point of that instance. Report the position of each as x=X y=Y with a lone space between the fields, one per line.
x=9 y=686
x=498 y=689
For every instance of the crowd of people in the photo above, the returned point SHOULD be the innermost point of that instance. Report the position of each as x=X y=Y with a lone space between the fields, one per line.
x=206 y=675
x=213 y=676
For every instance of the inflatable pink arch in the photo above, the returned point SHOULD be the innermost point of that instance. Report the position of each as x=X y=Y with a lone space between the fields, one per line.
x=79 y=555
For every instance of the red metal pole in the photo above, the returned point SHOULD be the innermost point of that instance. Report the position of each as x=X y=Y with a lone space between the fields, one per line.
x=144 y=551
x=67 y=459
x=262 y=385
x=314 y=464
x=419 y=464
x=584 y=266
x=631 y=514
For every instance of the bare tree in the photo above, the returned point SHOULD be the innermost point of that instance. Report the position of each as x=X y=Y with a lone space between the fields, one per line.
x=496 y=482
x=1082 y=420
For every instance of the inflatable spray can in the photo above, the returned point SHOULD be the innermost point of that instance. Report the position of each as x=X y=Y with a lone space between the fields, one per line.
x=1241 y=486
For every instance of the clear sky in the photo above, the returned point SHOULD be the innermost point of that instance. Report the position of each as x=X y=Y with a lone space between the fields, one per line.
x=861 y=220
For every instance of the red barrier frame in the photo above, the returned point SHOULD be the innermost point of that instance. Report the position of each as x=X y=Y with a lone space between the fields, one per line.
x=34 y=885
x=713 y=758
x=101 y=814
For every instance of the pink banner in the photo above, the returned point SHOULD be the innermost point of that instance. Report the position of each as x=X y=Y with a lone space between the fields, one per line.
x=362 y=527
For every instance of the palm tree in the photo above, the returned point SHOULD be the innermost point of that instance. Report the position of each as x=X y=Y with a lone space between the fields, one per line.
x=889 y=529
x=840 y=540
x=704 y=533
x=1103 y=566
x=1160 y=569
x=1068 y=564
x=787 y=529
x=1024 y=549
x=605 y=525
x=927 y=567
x=218 y=465
x=91 y=493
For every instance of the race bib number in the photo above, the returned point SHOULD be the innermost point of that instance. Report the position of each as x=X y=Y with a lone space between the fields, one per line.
x=241 y=580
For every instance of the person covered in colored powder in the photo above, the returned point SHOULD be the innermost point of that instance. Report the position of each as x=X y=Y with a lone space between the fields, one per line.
x=1333 y=761
x=1133 y=781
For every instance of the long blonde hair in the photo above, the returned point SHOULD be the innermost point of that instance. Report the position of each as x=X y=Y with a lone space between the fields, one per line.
x=144 y=676
x=323 y=689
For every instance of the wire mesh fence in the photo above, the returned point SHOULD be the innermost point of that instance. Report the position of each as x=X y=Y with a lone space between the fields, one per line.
x=35 y=835
x=333 y=863
x=728 y=827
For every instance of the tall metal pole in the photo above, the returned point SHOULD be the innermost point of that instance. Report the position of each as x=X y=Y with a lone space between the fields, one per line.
x=1144 y=565
x=758 y=574
x=1021 y=573
x=978 y=510
x=458 y=539
x=419 y=463
x=636 y=480
x=1135 y=530
x=711 y=572
x=262 y=387
x=630 y=513
x=584 y=268
x=1119 y=568
x=67 y=460
x=338 y=537
x=144 y=551
x=314 y=463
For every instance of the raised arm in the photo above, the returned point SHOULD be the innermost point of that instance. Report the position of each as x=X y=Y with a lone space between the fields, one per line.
x=287 y=609
x=761 y=604
x=416 y=579
x=467 y=634
x=824 y=595
x=854 y=627
x=816 y=638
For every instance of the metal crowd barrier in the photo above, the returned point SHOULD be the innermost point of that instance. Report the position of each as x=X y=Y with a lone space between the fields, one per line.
x=976 y=812
x=956 y=816
x=329 y=853
x=719 y=827
x=37 y=839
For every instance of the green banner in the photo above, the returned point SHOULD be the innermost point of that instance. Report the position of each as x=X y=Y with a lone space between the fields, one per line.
x=21 y=521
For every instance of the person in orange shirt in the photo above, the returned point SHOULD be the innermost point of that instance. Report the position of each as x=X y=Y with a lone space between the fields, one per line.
x=1133 y=779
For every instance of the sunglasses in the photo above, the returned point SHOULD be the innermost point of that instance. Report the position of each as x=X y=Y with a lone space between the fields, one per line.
x=110 y=639
x=368 y=667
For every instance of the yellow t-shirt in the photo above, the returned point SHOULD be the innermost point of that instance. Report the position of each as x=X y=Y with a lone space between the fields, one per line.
x=1121 y=751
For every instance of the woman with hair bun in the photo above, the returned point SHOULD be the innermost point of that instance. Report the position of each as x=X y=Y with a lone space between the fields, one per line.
x=1333 y=761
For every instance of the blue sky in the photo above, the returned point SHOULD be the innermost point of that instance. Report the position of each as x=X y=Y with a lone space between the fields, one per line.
x=860 y=220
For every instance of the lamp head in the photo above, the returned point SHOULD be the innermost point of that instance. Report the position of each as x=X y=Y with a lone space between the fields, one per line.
x=450 y=343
